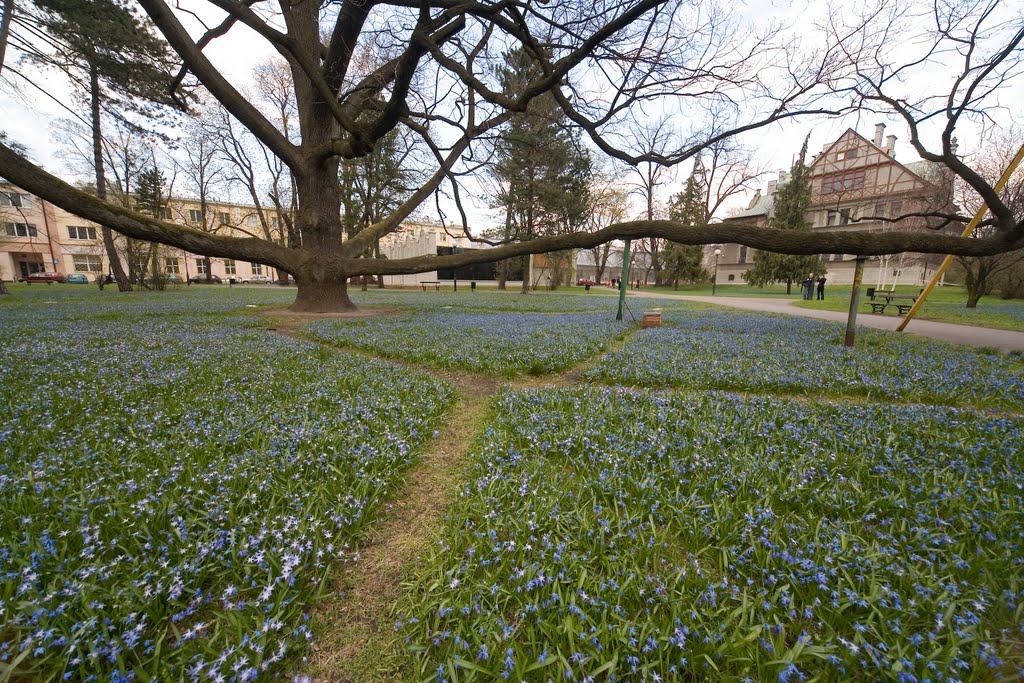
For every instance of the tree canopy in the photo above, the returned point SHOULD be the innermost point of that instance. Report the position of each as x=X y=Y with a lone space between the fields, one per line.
x=607 y=66
x=789 y=212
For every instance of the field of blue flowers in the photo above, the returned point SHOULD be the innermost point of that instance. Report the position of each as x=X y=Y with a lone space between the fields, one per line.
x=608 y=534
x=764 y=354
x=180 y=484
x=493 y=343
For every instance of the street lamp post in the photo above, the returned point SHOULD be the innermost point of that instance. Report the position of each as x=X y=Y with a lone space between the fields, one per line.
x=714 y=278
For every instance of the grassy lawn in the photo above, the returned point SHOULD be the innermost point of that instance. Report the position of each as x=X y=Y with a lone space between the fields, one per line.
x=187 y=493
x=177 y=483
x=613 y=533
x=944 y=304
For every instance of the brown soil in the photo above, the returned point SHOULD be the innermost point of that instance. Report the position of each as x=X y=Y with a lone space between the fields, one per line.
x=354 y=630
x=291 y=321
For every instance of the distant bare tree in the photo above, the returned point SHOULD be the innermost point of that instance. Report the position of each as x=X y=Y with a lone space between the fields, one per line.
x=606 y=64
x=983 y=274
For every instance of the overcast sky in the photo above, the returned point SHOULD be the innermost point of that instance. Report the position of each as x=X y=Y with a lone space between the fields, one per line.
x=28 y=119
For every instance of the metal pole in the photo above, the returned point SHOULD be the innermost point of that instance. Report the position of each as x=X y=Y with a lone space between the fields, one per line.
x=851 y=320
x=966 y=233
x=623 y=280
x=714 y=278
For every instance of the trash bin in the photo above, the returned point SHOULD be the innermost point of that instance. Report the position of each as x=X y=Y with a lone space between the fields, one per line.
x=587 y=286
x=472 y=286
x=871 y=293
x=651 y=319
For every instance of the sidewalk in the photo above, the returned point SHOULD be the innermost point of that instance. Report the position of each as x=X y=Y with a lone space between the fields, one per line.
x=1004 y=340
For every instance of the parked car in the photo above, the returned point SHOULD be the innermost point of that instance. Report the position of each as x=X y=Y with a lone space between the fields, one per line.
x=201 y=280
x=256 y=280
x=43 y=277
x=583 y=282
x=77 y=279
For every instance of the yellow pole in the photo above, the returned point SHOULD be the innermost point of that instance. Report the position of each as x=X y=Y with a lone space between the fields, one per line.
x=966 y=233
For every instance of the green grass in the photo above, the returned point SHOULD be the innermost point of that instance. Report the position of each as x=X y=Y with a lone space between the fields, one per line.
x=709 y=536
x=179 y=484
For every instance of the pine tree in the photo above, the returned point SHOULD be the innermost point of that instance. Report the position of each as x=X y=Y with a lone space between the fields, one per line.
x=791 y=202
x=150 y=199
x=116 y=62
x=542 y=167
x=689 y=207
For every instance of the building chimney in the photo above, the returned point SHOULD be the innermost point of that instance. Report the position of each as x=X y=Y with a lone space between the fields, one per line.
x=890 y=145
x=757 y=195
x=879 y=132
x=783 y=176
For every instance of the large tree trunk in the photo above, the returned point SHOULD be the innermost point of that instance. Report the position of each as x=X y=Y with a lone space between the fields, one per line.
x=502 y=272
x=322 y=296
x=123 y=283
x=5 y=29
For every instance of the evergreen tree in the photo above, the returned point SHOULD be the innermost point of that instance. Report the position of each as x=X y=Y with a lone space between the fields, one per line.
x=689 y=207
x=117 y=64
x=542 y=167
x=151 y=199
x=791 y=202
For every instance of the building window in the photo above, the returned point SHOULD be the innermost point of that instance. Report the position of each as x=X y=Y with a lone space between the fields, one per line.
x=257 y=268
x=224 y=218
x=20 y=230
x=201 y=266
x=195 y=216
x=81 y=232
x=732 y=277
x=229 y=266
x=250 y=221
x=171 y=265
x=830 y=217
x=844 y=216
x=275 y=223
x=842 y=182
x=895 y=209
x=16 y=199
x=880 y=210
x=743 y=254
x=164 y=214
x=837 y=257
x=846 y=154
x=87 y=263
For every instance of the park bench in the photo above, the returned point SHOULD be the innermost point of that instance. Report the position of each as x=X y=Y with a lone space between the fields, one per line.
x=892 y=299
x=436 y=283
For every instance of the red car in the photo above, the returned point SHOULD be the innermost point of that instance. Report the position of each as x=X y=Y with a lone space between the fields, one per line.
x=43 y=277
x=583 y=282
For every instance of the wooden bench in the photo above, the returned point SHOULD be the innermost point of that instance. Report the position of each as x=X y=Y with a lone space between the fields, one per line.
x=891 y=300
x=436 y=283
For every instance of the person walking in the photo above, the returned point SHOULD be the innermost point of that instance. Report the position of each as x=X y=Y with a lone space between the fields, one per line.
x=821 y=288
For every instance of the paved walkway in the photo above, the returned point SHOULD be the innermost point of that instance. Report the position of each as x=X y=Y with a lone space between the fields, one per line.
x=1004 y=340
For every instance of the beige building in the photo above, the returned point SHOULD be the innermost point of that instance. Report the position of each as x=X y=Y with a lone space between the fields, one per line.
x=36 y=236
x=856 y=184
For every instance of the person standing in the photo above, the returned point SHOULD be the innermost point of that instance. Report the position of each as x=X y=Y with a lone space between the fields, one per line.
x=808 y=285
x=821 y=288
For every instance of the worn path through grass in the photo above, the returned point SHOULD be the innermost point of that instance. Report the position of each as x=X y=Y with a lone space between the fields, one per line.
x=354 y=624
x=355 y=636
